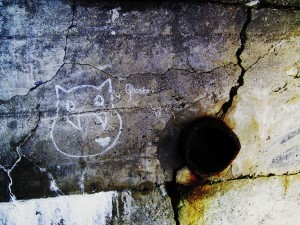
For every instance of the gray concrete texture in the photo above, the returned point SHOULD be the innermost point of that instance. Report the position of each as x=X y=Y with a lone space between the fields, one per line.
x=100 y=103
x=94 y=96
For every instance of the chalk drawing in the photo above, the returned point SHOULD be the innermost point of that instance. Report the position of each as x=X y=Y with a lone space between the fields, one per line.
x=86 y=122
x=130 y=90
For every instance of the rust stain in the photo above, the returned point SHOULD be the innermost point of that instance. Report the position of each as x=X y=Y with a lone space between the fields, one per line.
x=194 y=207
x=197 y=205
x=286 y=184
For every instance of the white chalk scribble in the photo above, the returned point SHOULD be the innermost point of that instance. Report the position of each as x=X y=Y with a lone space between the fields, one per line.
x=130 y=90
x=86 y=122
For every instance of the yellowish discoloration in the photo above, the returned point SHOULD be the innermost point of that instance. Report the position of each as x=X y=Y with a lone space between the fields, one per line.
x=257 y=201
x=192 y=210
x=294 y=100
x=286 y=184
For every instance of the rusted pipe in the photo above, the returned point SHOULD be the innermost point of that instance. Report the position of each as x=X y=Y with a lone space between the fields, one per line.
x=209 y=146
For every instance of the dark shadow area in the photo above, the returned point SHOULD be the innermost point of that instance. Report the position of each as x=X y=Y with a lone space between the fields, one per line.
x=137 y=5
x=29 y=181
x=209 y=146
x=169 y=149
x=4 y=181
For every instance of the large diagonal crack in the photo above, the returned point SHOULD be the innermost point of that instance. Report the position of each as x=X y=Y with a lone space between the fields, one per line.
x=12 y=197
x=65 y=48
x=53 y=187
x=240 y=82
x=18 y=147
x=252 y=177
x=24 y=140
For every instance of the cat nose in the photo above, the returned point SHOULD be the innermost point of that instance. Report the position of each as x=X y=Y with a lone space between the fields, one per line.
x=102 y=117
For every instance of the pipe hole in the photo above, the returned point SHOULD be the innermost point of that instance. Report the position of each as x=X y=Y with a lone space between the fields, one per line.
x=209 y=146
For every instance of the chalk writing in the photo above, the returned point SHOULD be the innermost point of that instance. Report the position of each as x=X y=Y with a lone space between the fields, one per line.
x=130 y=90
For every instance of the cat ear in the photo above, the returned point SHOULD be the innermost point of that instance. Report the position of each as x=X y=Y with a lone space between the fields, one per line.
x=106 y=86
x=60 y=91
x=105 y=90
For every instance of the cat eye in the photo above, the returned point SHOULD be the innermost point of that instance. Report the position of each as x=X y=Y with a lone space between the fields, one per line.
x=70 y=106
x=99 y=101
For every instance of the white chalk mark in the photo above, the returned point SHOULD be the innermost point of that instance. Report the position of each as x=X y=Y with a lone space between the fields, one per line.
x=77 y=119
x=80 y=120
x=103 y=118
x=103 y=142
x=60 y=88
x=71 y=105
x=130 y=90
x=99 y=101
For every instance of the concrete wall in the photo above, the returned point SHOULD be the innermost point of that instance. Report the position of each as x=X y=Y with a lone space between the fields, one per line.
x=94 y=98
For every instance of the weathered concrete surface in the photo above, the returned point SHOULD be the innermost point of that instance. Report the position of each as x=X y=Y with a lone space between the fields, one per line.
x=33 y=38
x=265 y=200
x=265 y=115
x=101 y=209
x=287 y=4
x=126 y=78
x=94 y=97
x=182 y=36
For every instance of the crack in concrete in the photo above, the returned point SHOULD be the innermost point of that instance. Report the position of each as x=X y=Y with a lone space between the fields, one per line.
x=251 y=177
x=240 y=82
x=65 y=49
x=20 y=144
x=39 y=83
x=12 y=197
x=135 y=108
x=187 y=70
x=273 y=47
x=73 y=8
x=53 y=186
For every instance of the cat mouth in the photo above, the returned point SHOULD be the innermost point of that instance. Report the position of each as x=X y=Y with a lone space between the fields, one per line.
x=103 y=142
x=100 y=119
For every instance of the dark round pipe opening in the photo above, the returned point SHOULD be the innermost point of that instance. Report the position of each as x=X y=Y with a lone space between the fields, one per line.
x=209 y=146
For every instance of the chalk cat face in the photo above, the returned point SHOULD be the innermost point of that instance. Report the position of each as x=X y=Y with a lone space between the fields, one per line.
x=86 y=122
